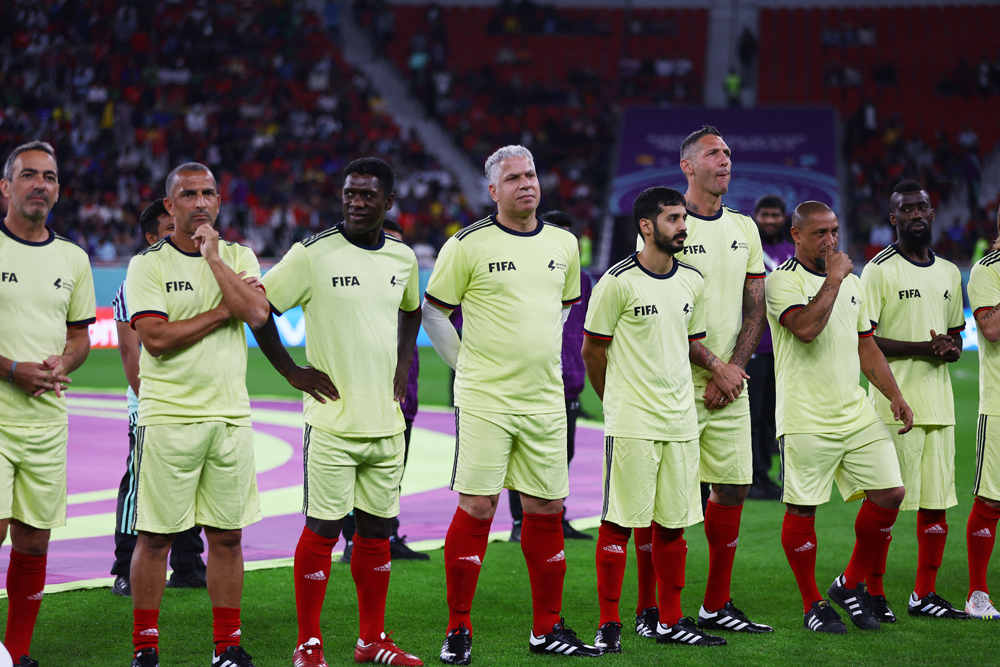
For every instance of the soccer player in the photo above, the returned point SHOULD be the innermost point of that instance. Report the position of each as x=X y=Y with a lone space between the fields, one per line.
x=360 y=295
x=46 y=303
x=981 y=530
x=776 y=248
x=827 y=427
x=573 y=377
x=724 y=246
x=515 y=278
x=644 y=321
x=912 y=294
x=194 y=442
x=185 y=553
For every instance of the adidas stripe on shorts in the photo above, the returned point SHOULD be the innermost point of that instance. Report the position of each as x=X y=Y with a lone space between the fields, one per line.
x=987 y=480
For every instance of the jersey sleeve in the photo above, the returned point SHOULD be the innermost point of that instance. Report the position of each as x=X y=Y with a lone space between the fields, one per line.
x=956 y=310
x=783 y=295
x=607 y=303
x=571 y=288
x=247 y=261
x=289 y=282
x=984 y=288
x=411 y=293
x=755 y=259
x=144 y=290
x=82 y=303
x=450 y=278
x=873 y=284
x=866 y=321
x=696 y=323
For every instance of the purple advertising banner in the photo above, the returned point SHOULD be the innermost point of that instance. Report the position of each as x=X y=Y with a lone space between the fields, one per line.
x=788 y=152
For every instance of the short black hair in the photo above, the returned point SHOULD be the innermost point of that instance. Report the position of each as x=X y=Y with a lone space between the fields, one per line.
x=149 y=219
x=908 y=186
x=187 y=168
x=391 y=225
x=8 y=168
x=696 y=135
x=651 y=201
x=769 y=201
x=372 y=166
x=558 y=218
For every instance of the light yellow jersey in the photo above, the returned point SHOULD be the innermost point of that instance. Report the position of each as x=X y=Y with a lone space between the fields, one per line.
x=650 y=319
x=203 y=382
x=984 y=294
x=818 y=382
x=906 y=301
x=351 y=296
x=725 y=247
x=45 y=288
x=512 y=287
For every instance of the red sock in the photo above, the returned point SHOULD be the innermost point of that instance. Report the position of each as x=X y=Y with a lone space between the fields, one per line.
x=932 y=533
x=145 y=629
x=875 y=577
x=464 y=551
x=544 y=552
x=980 y=535
x=798 y=539
x=722 y=528
x=225 y=628
x=612 y=550
x=311 y=572
x=669 y=560
x=644 y=565
x=370 y=566
x=871 y=529
x=25 y=583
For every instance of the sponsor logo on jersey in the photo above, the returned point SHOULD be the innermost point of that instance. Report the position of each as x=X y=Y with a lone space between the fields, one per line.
x=392 y=281
x=558 y=557
x=8 y=277
x=346 y=281
x=984 y=532
x=645 y=310
x=384 y=568
x=614 y=549
x=687 y=308
x=502 y=266
x=947 y=296
x=178 y=286
x=910 y=294
x=936 y=529
x=472 y=559
x=854 y=301
x=806 y=547
x=694 y=250
x=316 y=576
x=58 y=283
x=553 y=265
x=739 y=245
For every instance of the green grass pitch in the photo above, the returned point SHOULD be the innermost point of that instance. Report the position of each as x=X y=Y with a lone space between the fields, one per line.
x=94 y=628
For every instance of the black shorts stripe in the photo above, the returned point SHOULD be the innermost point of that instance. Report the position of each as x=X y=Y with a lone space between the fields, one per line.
x=454 y=465
x=306 y=436
x=781 y=454
x=140 y=442
x=609 y=451
x=980 y=453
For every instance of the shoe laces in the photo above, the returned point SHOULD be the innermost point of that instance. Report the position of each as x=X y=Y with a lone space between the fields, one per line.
x=564 y=629
x=827 y=614
x=733 y=611
x=614 y=627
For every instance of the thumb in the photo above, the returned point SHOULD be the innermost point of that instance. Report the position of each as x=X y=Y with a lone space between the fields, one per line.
x=933 y=334
x=744 y=374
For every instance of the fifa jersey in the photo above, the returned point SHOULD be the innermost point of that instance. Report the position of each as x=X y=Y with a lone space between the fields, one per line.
x=45 y=288
x=726 y=248
x=650 y=319
x=512 y=287
x=818 y=382
x=984 y=294
x=203 y=382
x=906 y=300
x=351 y=296
x=120 y=309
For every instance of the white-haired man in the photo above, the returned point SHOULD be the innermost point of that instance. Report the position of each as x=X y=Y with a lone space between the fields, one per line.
x=515 y=278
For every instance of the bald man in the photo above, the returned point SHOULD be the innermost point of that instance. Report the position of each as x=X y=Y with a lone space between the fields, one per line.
x=827 y=427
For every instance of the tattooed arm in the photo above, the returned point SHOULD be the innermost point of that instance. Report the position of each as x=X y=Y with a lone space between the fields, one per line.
x=754 y=308
x=876 y=369
x=988 y=321
x=808 y=322
x=727 y=377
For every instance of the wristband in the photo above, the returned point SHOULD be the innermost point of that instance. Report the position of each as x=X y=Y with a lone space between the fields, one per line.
x=10 y=375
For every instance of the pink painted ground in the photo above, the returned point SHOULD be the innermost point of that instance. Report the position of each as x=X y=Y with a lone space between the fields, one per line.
x=97 y=451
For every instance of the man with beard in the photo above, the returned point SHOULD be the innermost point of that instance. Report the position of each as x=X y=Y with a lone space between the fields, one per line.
x=912 y=295
x=643 y=324
x=827 y=427
x=724 y=246
x=769 y=214
x=359 y=289
x=46 y=303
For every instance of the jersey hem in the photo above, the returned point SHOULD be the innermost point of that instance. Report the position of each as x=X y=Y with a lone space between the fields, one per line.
x=353 y=435
x=597 y=335
x=979 y=310
x=439 y=302
x=867 y=334
x=653 y=438
x=514 y=413
x=570 y=302
x=781 y=318
x=163 y=421
x=697 y=336
x=410 y=312
x=148 y=313
x=82 y=323
x=955 y=330
x=756 y=275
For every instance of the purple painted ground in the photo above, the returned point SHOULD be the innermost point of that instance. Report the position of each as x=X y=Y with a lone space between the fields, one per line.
x=98 y=447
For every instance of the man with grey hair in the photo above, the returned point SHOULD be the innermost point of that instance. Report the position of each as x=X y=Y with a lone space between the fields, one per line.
x=515 y=277
x=194 y=441
x=46 y=304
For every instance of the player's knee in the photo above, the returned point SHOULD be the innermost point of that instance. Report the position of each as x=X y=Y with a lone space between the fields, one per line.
x=729 y=495
x=479 y=507
x=228 y=540
x=989 y=502
x=29 y=540
x=372 y=527
x=328 y=529
x=890 y=499
x=534 y=505
x=155 y=542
